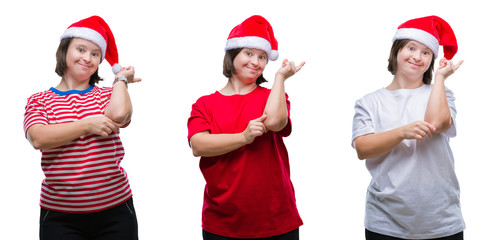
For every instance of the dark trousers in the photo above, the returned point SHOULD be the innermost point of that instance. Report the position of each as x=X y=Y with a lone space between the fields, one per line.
x=376 y=236
x=292 y=235
x=119 y=222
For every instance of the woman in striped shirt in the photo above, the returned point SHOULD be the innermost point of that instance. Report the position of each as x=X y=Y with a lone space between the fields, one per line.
x=86 y=193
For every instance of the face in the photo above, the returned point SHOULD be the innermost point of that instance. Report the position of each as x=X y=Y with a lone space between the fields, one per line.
x=414 y=59
x=82 y=59
x=249 y=64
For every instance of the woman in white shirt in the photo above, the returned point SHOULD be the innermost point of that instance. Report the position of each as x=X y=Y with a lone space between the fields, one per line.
x=403 y=132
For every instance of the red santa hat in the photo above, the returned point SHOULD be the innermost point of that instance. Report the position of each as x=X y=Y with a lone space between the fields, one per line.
x=96 y=30
x=431 y=31
x=254 y=32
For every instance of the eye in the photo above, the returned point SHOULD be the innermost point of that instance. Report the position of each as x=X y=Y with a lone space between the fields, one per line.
x=263 y=57
x=95 y=54
x=81 y=49
x=426 y=53
x=411 y=48
x=248 y=53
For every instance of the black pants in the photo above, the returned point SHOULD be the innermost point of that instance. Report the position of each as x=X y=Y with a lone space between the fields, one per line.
x=376 y=236
x=119 y=222
x=292 y=235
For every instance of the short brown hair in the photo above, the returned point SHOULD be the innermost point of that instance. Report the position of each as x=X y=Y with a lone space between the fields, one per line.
x=392 y=67
x=61 y=61
x=228 y=65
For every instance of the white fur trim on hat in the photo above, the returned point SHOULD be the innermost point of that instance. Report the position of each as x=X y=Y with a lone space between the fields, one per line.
x=88 y=34
x=252 y=42
x=419 y=35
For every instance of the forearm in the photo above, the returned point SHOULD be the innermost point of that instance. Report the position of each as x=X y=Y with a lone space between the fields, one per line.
x=437 y=111
x=276 y=107
x=377 y=144
x=119 y=108
x=205 y=144
x=51 y=136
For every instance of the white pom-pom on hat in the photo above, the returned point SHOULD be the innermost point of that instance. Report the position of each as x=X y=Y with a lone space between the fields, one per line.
x=116 y=68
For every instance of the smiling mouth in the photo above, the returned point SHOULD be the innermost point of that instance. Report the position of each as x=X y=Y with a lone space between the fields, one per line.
x=85 y=65
x=414 y=64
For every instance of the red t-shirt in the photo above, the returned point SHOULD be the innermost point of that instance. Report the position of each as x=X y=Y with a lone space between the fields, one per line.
x=248 y=192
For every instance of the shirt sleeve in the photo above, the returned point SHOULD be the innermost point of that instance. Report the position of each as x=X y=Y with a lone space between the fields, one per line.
x=452 y=131
x=198 y=120
x=35 y=113
x=362 y=122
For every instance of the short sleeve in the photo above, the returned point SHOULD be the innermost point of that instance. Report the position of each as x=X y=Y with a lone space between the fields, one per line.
x=362 y=121
x=105 y=95
x=198 y=120
x=35 y=113
x=452 y=131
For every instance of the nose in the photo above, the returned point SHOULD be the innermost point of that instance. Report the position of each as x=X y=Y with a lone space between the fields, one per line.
x=417 y=55
x=254 y=59
x=87 y=57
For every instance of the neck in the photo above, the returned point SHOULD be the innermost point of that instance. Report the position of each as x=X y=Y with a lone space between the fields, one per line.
x=400 y=82
x=68 y=83
x=235 y=86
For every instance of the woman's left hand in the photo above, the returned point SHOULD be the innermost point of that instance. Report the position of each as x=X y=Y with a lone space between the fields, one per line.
x=129 y=73
x=447 y=68
x=288 y=68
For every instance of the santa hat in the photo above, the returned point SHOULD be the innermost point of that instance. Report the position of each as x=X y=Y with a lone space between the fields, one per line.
x=431 y=31
x=96 y=30
x=254 y=32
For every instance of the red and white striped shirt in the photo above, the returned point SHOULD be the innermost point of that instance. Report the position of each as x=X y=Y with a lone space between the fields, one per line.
x=84 y=175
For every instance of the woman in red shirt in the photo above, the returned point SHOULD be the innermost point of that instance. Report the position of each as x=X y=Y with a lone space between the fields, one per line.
x=237 y=131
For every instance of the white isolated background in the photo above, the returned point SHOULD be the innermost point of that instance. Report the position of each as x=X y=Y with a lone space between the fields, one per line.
x=177 y=48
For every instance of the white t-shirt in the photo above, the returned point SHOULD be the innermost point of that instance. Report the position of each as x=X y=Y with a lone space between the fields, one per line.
x=414 y=192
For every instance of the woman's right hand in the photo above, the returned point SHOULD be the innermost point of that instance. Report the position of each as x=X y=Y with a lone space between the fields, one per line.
x=205 y=144
x=417 y=130
x=54 y=135
x=100 y=125
x=376 y=144
x=255 y=128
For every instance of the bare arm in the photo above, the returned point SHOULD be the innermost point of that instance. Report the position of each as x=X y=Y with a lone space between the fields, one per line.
x=377 y=144
x=209 y=145
x=276 y=107
x=55 y=135
x=119 y=108
x=437 y=111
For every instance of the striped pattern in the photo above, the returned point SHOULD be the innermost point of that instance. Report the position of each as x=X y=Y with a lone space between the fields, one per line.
x=84 y=175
